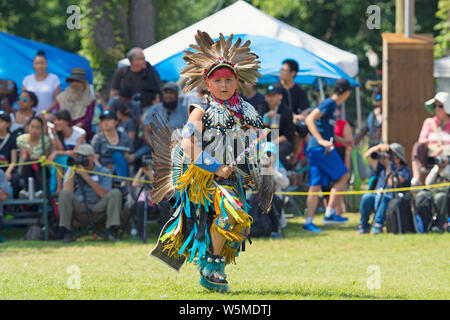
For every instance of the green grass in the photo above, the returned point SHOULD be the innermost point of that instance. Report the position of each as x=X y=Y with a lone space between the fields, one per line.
x=331 y=265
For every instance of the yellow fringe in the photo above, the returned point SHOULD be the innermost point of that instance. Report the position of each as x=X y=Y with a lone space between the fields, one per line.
x=197 y=182
x=174 y=244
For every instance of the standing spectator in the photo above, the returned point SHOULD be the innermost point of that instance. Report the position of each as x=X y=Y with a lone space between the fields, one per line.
x=373 y=122
x=254 y=97
x=344 y=144
x=104 y=144
x=272 y=108
x=8 y=151
x=27 y=100
x=171 y=106
x=434 y=138
x=326 y=165
x=296 y=98
x=45 y=85
x=30 y=145
x=140 y=76
x=77 y=99
x=383 y=167
x=100 y=196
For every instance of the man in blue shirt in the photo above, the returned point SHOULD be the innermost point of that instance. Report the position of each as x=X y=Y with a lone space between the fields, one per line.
x=383 y=166
x=98 y=191
x=325 y=164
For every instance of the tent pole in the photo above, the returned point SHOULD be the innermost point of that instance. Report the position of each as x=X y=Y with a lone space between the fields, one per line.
x=322 y=95
x=358 y=105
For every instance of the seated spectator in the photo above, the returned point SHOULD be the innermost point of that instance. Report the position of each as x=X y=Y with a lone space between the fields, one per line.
x=27 y=101
x=77 y=99
x=107 y=143
x=171 y=106
x=140 y=76
x=127 y=121
x=98 y=191
x=30 y=145
x=254 y=97
x=274 y=110
x=8 y=152
x=4 y=193
x=45 y=85
x=382 y=165
x=8 y=95
x=125 y=96
x=65 y=139
x=434 y=138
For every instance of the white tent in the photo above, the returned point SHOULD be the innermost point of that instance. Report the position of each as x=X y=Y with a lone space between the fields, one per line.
x=442 y=72
x=243 y=18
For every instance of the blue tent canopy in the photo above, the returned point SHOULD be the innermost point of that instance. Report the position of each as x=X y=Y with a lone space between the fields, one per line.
x=272 y=53
x=17 y=54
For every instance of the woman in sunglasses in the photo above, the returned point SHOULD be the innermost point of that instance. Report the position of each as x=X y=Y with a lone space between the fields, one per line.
x=434 y=138
x=27 y=101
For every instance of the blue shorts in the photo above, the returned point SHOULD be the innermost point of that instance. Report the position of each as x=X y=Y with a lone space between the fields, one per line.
x=324 y=169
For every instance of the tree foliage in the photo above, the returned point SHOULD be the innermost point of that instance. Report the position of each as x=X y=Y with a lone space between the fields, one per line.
x=442 y=45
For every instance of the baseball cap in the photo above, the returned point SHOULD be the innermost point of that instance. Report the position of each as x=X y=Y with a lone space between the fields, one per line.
x=342 y=85
x=171 y=86
x=85 y=149
x=108 y=114
x=273 y=89
x=442 y=97
x=5 y=115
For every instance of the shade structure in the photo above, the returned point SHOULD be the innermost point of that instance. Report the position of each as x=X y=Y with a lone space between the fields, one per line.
x=17 y=55
x=272 y=52
x=243 y=18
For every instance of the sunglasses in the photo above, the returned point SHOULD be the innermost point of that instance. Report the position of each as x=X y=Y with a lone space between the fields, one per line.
x=438 y=105
x=24 y=99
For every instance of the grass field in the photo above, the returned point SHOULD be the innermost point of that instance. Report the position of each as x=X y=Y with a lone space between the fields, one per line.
x=336 y=264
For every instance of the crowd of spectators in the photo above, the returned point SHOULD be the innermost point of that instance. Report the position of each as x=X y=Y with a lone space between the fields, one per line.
x=119 y=139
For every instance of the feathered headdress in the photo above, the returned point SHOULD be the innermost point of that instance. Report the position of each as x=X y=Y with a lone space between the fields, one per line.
x=213 y=55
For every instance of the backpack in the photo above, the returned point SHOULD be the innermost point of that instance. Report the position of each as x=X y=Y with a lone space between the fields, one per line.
x=425 y=207
x=399 y=216
x=262 y=224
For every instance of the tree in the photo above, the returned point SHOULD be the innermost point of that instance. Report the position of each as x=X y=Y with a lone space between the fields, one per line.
x=442 y=45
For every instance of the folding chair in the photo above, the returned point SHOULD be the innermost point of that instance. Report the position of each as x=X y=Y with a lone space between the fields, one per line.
x=91 y=224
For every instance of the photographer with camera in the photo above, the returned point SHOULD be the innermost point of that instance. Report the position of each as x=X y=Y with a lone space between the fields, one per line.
x=82 y=188
x=389 y=163
x=113 y=148
x=433 y=146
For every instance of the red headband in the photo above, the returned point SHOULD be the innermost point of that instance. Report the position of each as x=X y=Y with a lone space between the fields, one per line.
x=222 y=72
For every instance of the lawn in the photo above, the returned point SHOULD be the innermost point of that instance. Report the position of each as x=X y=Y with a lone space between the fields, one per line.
x=336 y=264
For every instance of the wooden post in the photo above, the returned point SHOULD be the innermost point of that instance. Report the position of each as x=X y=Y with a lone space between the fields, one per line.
x=399 y=16
x=407 y=83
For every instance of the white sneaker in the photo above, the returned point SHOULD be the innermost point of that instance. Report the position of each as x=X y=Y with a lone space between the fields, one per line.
x=23 y=194
x=38 y=194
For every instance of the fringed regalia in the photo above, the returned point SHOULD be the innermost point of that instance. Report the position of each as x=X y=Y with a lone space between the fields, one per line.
x=203 y=204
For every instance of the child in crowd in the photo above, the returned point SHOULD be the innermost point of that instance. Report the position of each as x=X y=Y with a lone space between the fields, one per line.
x=30 y=145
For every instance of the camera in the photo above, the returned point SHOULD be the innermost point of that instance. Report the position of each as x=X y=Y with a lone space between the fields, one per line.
x=437 y=160
x=381 y=155
x=80 y=160
x=147 y=161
